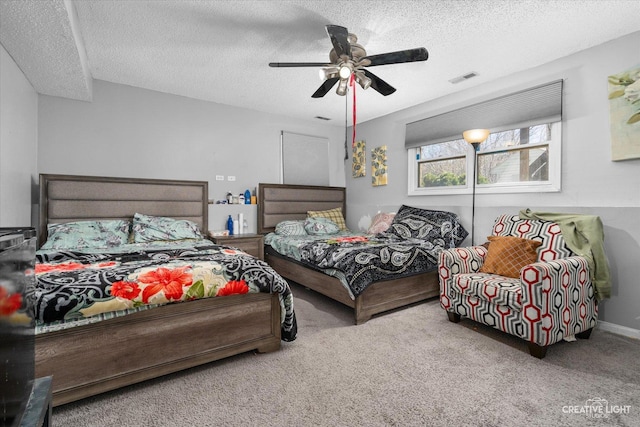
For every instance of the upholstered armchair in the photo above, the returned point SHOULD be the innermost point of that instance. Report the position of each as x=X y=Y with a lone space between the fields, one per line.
x=549 y=296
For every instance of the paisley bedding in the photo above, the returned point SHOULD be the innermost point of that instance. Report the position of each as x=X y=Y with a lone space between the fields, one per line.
x=410 y=246
x=359 y=260
x=90 y=282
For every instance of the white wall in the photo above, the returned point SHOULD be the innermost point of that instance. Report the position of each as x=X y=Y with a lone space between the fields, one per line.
x=591 y=182
x=18 y=144
x=132 y=132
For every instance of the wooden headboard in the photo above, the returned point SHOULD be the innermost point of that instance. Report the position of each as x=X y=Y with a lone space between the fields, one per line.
x=280 y=202
x=67 y=198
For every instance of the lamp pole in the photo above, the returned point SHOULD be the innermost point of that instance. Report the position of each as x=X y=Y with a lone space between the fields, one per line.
x=474 y=137
x=473 y=198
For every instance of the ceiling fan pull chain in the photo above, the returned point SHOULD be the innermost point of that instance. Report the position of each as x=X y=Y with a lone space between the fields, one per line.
x=353 y=87
x=346 y=117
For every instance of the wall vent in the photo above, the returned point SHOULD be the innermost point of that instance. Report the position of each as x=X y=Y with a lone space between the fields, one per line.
x=463 y=77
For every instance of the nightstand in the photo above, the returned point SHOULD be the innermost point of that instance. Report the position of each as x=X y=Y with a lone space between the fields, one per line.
x=253 y=244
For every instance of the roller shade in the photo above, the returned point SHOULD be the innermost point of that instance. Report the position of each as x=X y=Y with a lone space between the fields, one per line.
x=529 y=107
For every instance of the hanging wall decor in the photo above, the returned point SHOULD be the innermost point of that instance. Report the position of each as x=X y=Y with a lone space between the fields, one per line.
x=379 y=166
x=359 y=159
x=624 y=114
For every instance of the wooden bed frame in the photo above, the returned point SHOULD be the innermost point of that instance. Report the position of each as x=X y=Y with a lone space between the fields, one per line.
x=279 y=202
x=153 y=342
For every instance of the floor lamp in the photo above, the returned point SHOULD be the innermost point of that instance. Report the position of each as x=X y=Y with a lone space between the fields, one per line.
x=474 y=137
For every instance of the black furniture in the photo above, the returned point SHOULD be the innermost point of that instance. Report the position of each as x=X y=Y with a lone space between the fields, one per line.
x=24 y=400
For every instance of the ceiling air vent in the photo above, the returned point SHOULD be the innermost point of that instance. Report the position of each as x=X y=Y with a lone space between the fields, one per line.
x=322 y=118
x=463 y=77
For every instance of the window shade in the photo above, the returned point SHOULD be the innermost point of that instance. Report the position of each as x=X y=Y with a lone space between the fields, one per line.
x=305 y=159
x=529 y=107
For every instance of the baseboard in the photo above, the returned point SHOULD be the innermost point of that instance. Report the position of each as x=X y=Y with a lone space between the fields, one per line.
x=619 y=329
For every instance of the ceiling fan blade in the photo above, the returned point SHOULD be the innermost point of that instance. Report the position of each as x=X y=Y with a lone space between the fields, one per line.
x=378 y=84
x=340 y=39
x=410 y=55
x=297 y=64
x=325 y=87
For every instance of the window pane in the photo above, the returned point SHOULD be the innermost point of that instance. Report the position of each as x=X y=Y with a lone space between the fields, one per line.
x=540 y=133
x=527 y=164
x=442 y=173
x=516 y=137
x=444 y=149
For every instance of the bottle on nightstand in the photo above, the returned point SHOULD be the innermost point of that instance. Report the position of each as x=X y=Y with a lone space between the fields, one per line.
x=230 y=225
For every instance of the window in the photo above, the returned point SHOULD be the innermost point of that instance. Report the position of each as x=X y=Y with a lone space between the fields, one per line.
x=522 y=153
x=515 y=160
x=443 y=164
x=515 y=156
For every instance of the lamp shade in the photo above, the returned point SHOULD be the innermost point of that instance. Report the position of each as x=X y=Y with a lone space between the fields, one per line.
x=475 y=135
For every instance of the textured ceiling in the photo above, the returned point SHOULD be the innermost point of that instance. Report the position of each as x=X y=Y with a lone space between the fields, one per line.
x=219 y=50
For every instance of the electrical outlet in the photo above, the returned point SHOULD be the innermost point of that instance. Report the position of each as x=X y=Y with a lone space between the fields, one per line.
x=231 y=178
x=219 y=177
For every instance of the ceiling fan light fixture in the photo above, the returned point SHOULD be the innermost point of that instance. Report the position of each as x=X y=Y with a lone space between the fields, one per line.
x=342 y=87
x=363 y=81
x=328 y=73
x=345 y=71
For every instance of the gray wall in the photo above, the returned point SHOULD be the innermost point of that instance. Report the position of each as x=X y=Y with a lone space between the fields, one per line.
x=133 y=132
x=591 y=182
x=139 y=133
x=18 y=144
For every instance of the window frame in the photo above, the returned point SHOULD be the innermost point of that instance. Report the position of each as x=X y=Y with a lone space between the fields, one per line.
x=552 y=185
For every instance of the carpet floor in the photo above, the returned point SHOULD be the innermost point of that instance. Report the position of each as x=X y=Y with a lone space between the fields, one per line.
x=409 y=367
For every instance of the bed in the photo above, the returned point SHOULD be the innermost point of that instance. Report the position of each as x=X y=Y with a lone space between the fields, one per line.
x=283 y=202
x=197 y=315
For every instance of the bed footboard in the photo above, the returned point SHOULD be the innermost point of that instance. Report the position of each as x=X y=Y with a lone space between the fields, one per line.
x=377 y=298
x=91 y=359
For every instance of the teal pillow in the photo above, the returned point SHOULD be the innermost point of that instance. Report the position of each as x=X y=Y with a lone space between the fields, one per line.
x=87 y=234
x=317 y=226
x=291 y=228
x=147 y=228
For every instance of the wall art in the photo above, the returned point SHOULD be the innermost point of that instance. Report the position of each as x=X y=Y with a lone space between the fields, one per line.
x=379 y=166
x=624 y=114
x=359 y=159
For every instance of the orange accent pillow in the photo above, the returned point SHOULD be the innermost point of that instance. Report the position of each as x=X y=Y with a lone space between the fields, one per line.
x=508 y=255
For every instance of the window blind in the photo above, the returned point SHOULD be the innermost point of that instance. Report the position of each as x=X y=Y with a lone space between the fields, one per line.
x=529 y=107
x=305 y=159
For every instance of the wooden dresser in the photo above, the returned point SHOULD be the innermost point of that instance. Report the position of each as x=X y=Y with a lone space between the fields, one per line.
x=252 y=244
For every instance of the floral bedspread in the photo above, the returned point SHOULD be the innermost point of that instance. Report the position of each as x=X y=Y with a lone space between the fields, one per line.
x=359 y=260
x=77 y=285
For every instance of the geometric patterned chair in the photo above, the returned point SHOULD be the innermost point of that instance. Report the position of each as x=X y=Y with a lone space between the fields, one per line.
x=548 y=300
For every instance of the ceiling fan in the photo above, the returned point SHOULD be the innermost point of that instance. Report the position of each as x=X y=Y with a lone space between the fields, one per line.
x=348 y=58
